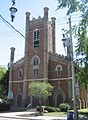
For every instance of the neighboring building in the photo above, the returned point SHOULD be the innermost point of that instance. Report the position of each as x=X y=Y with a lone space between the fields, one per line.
x=40 y=63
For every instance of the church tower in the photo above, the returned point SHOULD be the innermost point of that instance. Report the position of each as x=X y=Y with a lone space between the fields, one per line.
x=39 y=41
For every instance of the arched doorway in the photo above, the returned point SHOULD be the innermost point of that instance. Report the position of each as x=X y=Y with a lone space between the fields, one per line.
x=19 y=100
x=59 y=99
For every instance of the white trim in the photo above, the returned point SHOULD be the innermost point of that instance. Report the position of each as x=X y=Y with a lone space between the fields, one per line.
x=58 y=66
x=68 y=78
x=28 y=80
x=15 y=81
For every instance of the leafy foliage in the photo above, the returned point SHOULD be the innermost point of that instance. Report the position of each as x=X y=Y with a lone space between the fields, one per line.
x=72 y=5
x=2 y=72
x=81 y=33
x=40 y=89
x=64 y=107
x=48 y=108
x=4 y=78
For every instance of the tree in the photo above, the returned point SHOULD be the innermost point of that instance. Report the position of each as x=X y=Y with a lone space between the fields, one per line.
x=2 y=72
x=81 y=35
x=4 y=78
x=40 y=90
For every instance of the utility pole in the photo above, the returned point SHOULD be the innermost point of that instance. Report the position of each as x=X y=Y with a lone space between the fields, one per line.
x=73 y=73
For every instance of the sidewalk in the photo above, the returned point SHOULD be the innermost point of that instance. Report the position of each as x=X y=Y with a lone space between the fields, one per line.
x=26 y=115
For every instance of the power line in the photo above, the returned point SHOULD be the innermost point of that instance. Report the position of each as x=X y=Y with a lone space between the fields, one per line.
x=7 y=32
x=6 y=22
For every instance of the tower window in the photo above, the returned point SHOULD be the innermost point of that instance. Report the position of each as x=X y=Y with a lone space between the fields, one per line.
x=35 y=60
x=36 y=36
x=35 y=71
x=35 y=63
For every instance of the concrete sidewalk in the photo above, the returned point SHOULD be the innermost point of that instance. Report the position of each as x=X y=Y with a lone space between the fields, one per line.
x=26 y=115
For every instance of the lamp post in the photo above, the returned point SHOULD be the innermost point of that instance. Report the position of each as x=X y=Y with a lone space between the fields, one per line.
x=13 y=10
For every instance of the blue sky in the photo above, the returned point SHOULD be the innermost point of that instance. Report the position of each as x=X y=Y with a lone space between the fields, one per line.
x=10 y=38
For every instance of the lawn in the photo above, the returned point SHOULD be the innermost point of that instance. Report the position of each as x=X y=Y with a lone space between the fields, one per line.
x=81 y=112
x=55 y=114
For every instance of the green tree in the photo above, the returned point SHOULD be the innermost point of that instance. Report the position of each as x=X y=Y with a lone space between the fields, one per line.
x=4 y=78
x=2 y=72
x=40 y=90
x=81 y=33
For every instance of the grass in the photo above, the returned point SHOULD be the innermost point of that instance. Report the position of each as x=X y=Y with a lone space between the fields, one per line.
x=55 y=114
x=81 y=112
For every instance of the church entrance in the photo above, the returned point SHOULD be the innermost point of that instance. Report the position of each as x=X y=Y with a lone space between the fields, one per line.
x=58 y=99
x=19 y=100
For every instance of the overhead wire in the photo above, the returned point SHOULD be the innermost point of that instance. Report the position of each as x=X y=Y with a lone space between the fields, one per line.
x=6 y=22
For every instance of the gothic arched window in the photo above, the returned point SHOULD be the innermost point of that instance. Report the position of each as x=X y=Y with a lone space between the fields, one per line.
x=20 y=73
x=58 y=70
x=36 y=36
x=35 y=63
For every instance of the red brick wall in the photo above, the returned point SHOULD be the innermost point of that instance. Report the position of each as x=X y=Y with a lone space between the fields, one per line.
x=53 y=72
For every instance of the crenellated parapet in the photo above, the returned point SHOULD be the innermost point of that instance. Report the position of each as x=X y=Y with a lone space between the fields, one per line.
x=18 y=63
x=58 y=58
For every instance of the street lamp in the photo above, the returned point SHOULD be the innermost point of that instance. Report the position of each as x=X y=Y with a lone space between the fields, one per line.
x=64 y=40
x=13 y=10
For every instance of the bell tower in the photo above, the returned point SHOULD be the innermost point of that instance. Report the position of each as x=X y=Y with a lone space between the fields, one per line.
x=39 y=39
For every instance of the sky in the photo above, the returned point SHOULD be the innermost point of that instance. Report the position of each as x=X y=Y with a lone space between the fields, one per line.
x=10 y=38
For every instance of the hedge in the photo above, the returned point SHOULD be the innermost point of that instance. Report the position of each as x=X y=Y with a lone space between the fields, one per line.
x=4 y=107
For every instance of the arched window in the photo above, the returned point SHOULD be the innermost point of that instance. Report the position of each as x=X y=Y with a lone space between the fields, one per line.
x=36 y=36
x=20 y=72
x=58 y=69
x=35 y=60
x=35 y=71
x=35 y=63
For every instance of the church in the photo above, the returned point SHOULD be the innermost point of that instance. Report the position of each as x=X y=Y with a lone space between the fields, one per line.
x=40 y=63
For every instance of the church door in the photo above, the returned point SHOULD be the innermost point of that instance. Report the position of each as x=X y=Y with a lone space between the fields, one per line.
x=59 y=99
x=19 y=100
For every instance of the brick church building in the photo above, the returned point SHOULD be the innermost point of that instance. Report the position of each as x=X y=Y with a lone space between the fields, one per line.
x=40 y=63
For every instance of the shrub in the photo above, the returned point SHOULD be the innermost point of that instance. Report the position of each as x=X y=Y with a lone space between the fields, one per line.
x=64 y=107
x=4 y=107
x=48 y=108
x=52 y=109
x=39 y=108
